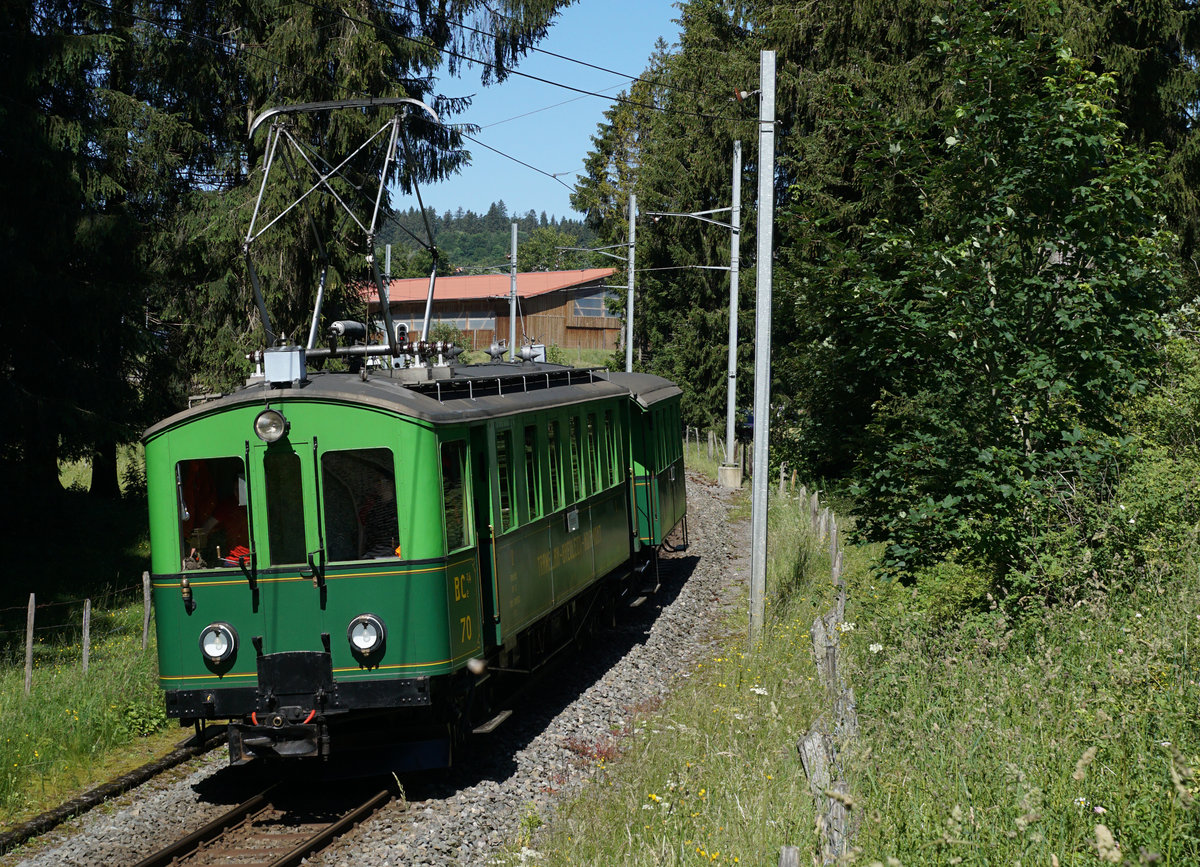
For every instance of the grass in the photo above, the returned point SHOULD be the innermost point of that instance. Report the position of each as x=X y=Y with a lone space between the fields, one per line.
x=712 y=775
x=75 y=730
x=1066 y=736
x=61 y=736
x=995 y=740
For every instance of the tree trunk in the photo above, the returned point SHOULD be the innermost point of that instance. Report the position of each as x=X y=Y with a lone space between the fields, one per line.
x=105 y=485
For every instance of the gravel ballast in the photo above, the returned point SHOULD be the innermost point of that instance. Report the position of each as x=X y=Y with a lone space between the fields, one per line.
x=539 y=756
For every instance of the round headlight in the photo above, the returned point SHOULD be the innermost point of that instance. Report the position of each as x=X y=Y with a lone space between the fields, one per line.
x=270 y=425
x=218 y=641
x=366 y=634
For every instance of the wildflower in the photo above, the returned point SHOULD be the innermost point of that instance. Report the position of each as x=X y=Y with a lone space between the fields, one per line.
x=1138 y=615
x=654 y=798
x=1081 y=802
x=1098 y=810
x=758 y=690
x=875 y=648
x=1120 y=651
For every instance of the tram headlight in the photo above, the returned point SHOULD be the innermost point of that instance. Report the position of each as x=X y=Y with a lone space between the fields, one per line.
x=218 y=642
x=270 y=425
x=366 y=634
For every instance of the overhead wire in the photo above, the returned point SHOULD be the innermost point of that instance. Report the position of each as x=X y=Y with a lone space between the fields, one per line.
x=233 y=51
x=655 y=82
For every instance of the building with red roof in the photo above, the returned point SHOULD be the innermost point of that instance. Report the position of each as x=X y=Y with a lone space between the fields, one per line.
x=569 y=309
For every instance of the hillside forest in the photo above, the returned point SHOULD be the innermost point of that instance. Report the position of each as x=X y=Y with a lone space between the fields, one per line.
x=469 y=243
x=984 y=246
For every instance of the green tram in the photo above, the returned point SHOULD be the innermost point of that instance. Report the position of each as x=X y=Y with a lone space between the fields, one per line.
x=345 y=561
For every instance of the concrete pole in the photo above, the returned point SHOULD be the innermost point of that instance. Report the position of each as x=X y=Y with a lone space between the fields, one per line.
x=629 y=293
x=512 y=299
x=762 y=347
x=735 y=243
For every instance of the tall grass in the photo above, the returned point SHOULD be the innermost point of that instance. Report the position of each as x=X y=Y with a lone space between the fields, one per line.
x=712 y=776
x=54 y=737
x=995 y=741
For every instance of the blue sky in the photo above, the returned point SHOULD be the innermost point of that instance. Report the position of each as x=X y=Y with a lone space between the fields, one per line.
x=615 y=34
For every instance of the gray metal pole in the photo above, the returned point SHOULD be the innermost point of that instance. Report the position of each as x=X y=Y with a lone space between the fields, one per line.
x=735 y=244
x=629 y=294
x=762 y=347
x=512 y=299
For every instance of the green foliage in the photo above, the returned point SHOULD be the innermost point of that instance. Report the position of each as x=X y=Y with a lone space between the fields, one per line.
x=1003 y=321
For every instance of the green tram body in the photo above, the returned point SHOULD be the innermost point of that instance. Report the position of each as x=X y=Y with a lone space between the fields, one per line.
x=518 y=489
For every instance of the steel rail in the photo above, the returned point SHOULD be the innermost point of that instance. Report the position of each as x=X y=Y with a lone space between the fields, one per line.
x=208 y=840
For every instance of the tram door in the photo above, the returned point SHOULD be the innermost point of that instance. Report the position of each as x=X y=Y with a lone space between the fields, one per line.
x=481 y=490
x=282 y=481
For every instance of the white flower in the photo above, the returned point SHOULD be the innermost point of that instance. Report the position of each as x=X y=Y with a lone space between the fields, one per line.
x=758 y=690
x=1099 y=810
x=875 y=648
x=1138 y=615
x=1081 y=802
x=846 y=627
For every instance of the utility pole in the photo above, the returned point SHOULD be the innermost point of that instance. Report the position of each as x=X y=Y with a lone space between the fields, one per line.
x=735 y=243
x=512 y=298
x=629 y=295
x=762 y=346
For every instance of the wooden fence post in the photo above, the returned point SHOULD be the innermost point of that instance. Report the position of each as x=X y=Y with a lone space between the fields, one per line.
x=87 y=632
x=145 y=610
x=29 y=644
x=789 y=856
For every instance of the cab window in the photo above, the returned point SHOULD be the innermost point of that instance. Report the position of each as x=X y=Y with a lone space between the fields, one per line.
x=358 y=494
x=454 y=458
x=212 y=512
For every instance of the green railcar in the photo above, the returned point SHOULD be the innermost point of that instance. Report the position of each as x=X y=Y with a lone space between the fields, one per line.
x=342 y=560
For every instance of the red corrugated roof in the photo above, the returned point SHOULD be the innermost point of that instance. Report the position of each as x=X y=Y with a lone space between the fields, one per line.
x=479 y=286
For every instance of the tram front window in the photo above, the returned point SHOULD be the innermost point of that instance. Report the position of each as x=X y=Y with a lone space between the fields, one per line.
x=212 y=512
x=358 y=492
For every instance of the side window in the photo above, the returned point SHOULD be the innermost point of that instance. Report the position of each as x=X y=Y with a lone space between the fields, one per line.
x=576 y=460
x=555 y=466
x=454 y=460
x=593 y=454
x=285 y=507
x=506 y=520
x=213 y=528
x=533 y=473
x=358 y=496
x=610 y=449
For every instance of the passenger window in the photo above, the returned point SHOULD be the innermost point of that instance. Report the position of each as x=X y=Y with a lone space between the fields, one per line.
x=212 y=512
x=454 y=459
x=358 y=493
x=555 y=466
x=610 y=450
x=576 y=465
x=533 y=473
x=593 y=453
x=285 y=507
x=504 y=472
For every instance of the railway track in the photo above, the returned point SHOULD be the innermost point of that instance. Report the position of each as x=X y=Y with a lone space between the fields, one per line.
x=275 y=828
